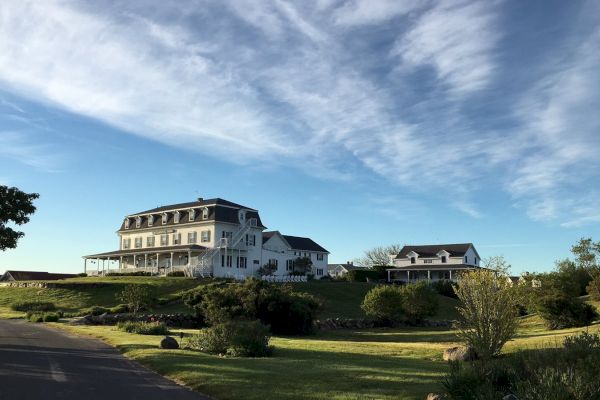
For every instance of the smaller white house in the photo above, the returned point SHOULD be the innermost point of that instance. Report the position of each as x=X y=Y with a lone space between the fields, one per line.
x=433 y=262
x=282 y=251
x=340 y=270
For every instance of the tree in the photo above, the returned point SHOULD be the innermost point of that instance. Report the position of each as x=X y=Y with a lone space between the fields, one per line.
x=384 y=303
x=586 y=253
x=15 y=207
x=498 y=264
x=419 y=301
x=488 y=312
x=379 y=256
x=267 y=269
x=302 y=265
x=137 y=297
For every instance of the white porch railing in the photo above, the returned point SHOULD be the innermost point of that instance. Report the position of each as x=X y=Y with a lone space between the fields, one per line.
x=284 y=278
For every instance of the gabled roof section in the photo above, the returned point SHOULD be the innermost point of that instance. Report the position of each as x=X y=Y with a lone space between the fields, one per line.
x=296 y=242
x=431 y=250
x=34 y=276
x=198 y=203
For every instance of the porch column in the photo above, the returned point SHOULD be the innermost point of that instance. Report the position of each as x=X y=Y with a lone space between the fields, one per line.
x=97 y=266
x=408 y=276
x=145 y=261
x=157 y=260
x=428 y=276
x=120 y=263
x=134 y=264
x=85 y=265
x=108 y=264
x=389 y=276
x=450 y=274
x=171 y=263
x=189 y=258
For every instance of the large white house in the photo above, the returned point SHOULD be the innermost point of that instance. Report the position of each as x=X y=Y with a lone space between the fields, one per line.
x=433 y=262
x=207 y=237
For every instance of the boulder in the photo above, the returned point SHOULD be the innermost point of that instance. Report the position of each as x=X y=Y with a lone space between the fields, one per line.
x=169 y=343
x=460 y=353
x=433 y=396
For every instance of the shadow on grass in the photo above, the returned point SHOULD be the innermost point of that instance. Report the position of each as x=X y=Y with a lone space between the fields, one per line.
x=302 y=373
x=389 y=335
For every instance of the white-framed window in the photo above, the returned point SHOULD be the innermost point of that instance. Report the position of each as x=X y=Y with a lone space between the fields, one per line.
x=192 y=215
x=150 y=241
x=205 y=236
x=176 y=238
x=289 y=265
x=164 y=218
x=205 y=213
x=138 y=222
x=250 y=240
x=127 y=223
x=176 y=217
x=226 y=234
x=273 y=262
x=320 y=257
x=126 y=243
x=192 y=237
x=427 y=261
x=150 y=220
x=319 y=271
x=466 y=259
x=164 y=240
x=138 y=242
x=242 y=262
x=226 y=261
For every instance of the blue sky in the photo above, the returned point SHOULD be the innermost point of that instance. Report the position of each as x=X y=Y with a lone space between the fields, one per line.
x=357 y=123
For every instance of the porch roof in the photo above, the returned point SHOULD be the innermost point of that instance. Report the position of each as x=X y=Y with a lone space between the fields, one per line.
x=435 y=267
x=150 y=250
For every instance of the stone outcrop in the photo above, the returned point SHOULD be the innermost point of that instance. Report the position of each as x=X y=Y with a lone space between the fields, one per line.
x=360 y=323
x=460 y=353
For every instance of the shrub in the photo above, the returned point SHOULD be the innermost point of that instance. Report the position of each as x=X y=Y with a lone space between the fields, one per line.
x=238 y=338
x=444 y=288
x=176 y=274
x=33 y=306
x=35 y=317
x=136 y=273
x=361 y=275
x=143 y=328
x=96 y=310
x=50 y=317
x=384 y=303
x=593 y=288
x=488 y=312
x=137 y=297
x=560 y=311
x=118 y=309
x=82 y=275
x=419 y=301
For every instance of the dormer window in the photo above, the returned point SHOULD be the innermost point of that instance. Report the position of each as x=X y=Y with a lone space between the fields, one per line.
x=164 y=218
x=413 y=260
x=150 y=220
x=444 y=259
x=205 y=213
x=138 y=222
x=192 y=215
x=127 y=223
x=176 y=217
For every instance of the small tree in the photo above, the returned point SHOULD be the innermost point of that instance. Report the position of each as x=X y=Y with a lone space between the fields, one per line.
x=419 y=301
x=137 y=297
x=378 y=255
x=384 y=303
x=302 y=265
x=593 y=288
x=15 y=206
x=488 y=312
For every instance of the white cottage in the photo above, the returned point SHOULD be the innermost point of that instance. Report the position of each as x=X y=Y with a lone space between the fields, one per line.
x=433 y=262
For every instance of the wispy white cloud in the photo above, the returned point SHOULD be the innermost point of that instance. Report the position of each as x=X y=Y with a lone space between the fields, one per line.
x=22 y=149
x=365 y=12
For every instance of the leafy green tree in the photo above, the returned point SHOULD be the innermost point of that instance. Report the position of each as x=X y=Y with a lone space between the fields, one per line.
x=488 y=312
x=15 y=207
x=587 y=253
x=419 y=300
x=137 y=297
x=498 y=264
x=384 y=304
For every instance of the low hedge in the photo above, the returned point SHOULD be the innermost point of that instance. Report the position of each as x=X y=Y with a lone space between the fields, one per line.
x=176 y=274
x=136 y=273
x=361 y=275
x=143 y=328
x=238 y=338
x=27 y=306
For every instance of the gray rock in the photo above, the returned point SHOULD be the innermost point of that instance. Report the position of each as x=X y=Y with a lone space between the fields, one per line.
x=460 y=353
x=433 y=396
x=169 y=343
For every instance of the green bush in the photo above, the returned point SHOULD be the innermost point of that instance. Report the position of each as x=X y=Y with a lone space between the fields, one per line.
x=137 y=297
x=384 y=304
x=361 y=275
x=175 y=274
x=445 y=288
x=560 y=311
x=285 y=311
x=96 y=310
x=35 y=317
x=593 y=287
x=50 y=317
x=143 y=328
x=33 y=306
x=567 y=373
x=118 y=309
x=419 y=301
x=238 y=338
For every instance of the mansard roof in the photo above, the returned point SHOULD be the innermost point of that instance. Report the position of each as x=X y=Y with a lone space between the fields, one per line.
x=431 y=250
x=297 y=242
x=219 y=210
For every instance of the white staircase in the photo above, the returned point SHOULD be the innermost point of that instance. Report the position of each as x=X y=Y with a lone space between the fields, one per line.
x=204 y=268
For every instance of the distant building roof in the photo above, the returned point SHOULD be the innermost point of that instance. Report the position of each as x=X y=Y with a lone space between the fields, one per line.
x=434 y=267
x=431 y=250
x=33 y=276
x=297 y=242
x=347 y=266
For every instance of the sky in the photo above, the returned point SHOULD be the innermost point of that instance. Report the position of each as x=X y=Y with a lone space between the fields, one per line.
x=357 y=123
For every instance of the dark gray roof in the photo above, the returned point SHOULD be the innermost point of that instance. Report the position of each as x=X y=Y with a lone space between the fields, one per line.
x=219 y=210
x=434 y=267
x=34 y=276
x=431 y=250
x=149 y=250
x=297 y=242
x=348 y=267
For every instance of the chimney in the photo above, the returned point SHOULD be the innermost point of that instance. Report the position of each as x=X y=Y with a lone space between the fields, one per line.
x=200 y=199
x=350 y=262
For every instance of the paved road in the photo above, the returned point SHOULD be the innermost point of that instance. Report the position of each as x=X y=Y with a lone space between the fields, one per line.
x=37 y=362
